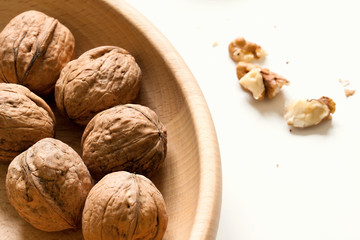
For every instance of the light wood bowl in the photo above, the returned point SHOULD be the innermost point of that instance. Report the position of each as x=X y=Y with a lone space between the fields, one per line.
x=190 y=179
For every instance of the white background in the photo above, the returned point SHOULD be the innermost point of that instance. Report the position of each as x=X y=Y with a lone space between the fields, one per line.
x=277 y=184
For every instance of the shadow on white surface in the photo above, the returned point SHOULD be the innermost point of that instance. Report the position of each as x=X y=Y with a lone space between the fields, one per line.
x=322 y=129
x=269 y=106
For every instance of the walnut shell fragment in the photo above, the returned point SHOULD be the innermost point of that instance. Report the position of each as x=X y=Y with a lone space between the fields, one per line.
x=272 y=82
x=48 y=185
x=304 y=113
x=34 y=48
x=126 y=137
x=242 y=50
x=124 y=206
x=24 y=119
x=99 y=79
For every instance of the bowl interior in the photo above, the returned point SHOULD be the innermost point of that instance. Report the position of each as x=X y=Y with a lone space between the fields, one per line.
x=96 y=23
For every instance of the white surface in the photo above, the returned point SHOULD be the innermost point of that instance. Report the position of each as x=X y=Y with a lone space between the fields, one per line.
x=277 y=184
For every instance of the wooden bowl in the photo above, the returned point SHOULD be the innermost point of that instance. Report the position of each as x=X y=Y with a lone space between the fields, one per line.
x=190 y=179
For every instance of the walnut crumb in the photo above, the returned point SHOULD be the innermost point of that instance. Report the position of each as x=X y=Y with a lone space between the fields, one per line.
x=343 y=82
x=215 y=44
x=349 y=92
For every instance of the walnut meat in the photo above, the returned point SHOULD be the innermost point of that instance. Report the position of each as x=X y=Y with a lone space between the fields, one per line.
x=272 y=82
x=24 y=119
x=48 y=185
x=304 y=113
x=34 y=48
x=126 y=137
x=99 y=79
x=125 y=206
x=242 y=50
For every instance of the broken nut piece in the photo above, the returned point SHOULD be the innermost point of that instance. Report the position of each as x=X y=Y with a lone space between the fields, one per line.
x=253 y=82
x=272 y=82
x=303 y=113
x=242 y=50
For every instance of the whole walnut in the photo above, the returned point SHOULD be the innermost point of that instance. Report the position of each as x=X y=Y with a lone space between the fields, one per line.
x=126 y=137
x=48 y=185
x=34 y=48
x=99 y=79
x=24 y=119
x=125 y=206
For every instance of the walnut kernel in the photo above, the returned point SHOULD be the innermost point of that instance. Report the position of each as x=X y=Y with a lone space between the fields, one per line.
x=253 y=82
x=303 y=113
x=242 y=50
x=271 y=81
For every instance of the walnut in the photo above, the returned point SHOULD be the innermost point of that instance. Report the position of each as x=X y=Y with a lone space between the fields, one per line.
x=24 y=119
x=34 y=48
x=48 y=185
x=272 y=82
x=254 y=83
x=125 y=206
x=99 y=79
x=126 y=137
x=242 y=50
x=349 y=92
x=305 y=113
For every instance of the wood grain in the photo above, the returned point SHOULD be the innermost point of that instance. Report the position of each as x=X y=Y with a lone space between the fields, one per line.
x=190 y=179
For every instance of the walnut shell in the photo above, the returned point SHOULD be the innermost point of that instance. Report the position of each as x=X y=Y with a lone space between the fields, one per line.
x=99 y=79
x=126 y=137
x=124 y=206
x=34 y=48
x=48 y=185
x=24 y=119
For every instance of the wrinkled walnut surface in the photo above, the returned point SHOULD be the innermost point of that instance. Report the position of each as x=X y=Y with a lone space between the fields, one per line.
x=272 y=81
x=48 y=185
x=242 y=50
x=126 y=137
x=100 y=78
x=125 y=206
x=304 y=113
x=24 y=119
x=34 y=48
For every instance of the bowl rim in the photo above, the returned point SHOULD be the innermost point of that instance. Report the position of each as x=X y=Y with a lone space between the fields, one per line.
x=210 y=190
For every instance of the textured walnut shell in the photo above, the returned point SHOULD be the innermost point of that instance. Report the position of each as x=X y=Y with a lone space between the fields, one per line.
x=126 y=137
x=48 y=185
x=24 y=119
x=124 y=206
x=99 y=79
x=34 y=48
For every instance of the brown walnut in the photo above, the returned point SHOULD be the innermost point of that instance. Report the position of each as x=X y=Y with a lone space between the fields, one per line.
x=24 y=119
x=99 y=79
x=126 y=137
x=34 y=48
x=48 y=185
x=124 y=206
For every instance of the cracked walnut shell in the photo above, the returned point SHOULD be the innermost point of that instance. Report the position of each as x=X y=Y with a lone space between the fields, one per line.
x=34 y=48
x=99 y=79
x=124 y=206
x=24 y=119
x=126 y=137
x=48 y=185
